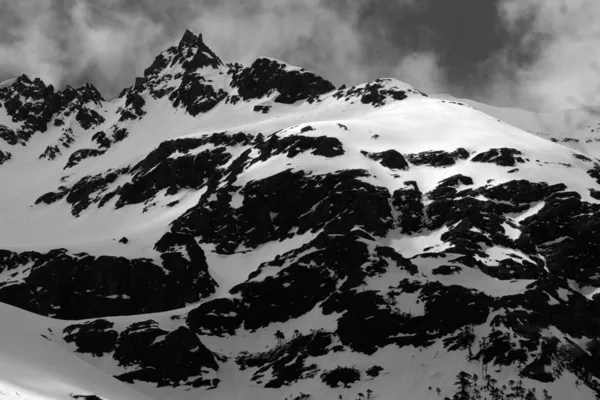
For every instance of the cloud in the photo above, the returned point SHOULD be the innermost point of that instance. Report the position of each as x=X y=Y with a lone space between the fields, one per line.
x=34 y=45
x=423 y=71
x=110 y=43
x=543 y=58
x=111 y=51
x=566 y=38
x=303 y=33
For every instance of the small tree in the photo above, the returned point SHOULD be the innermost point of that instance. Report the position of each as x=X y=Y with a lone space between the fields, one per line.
x=296 y=333
x=463 y=382
x=369 y=393
x=520 y=390
x=280 y=337
x=530 y=395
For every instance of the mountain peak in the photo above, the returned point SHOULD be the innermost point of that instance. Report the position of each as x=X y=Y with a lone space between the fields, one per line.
x=203 y=55
x=189 y=39
x=191 y=53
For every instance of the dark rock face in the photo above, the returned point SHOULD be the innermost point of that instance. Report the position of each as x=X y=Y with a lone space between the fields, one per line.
x=265 y=76
x=575 y=221
x=447 y=187
x=595 y=173
x=88 y=118
x=30 y=102
x=262 y=109
x=8 y=135
x=341 y=376
x=82 y=154
x=582 y=157
x=64 y=142
x=203 y=57
x=84 y=192
x=96 y=337
x=293 y=145
x=134 y=107
x=170 y=361
x=285 y=201
x=34 y=105
x=504 y=157
x=101 y=139
x=4 y=156
x=51 y=153
x=408 y=203
x=287 y=363
x=157 y=356
x=218 y=317
x=438 y=158
x=376 y=93
x=172 y=167
x=309 y=277
x=390 y=159
x=195 y=96
x=195 y=92
x=82 y=286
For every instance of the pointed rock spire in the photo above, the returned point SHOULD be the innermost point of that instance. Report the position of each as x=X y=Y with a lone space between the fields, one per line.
x=189 y=40
x=203 y=57
x=191 y=53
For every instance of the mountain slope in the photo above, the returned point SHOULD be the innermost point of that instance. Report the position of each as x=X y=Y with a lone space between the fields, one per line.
x=577 y=128
x=224 y=231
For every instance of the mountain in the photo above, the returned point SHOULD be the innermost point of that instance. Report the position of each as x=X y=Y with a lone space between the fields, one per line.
x=251 y=232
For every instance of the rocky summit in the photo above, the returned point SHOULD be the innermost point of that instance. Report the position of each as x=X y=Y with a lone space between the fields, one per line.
x=228 y=231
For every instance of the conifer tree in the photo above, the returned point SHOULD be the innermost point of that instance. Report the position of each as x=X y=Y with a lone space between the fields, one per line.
x=279 y=336
x=463 y=382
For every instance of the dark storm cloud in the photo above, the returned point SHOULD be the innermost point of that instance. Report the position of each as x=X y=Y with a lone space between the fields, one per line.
x=521 y=52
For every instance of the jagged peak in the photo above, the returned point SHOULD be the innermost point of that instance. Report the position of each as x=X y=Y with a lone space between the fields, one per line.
x=191 y=54
x=378 y=92
x=29 y=88
x=86 y=93
x=25 y=80
x=189 y=39
x=266 y=75
x=89 y=92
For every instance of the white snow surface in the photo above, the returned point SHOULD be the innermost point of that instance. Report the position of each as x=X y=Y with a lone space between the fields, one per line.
x=34 y=368
x=577 y=127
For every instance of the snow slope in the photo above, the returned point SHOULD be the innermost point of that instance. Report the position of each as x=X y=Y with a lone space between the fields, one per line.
x=32 y=367
x=578 y=128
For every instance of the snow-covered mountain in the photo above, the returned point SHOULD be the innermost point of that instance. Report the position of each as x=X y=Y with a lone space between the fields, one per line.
x=223 y=231
x=578 y=128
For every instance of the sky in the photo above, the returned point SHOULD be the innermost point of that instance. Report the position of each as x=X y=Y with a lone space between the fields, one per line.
x=533 y=54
